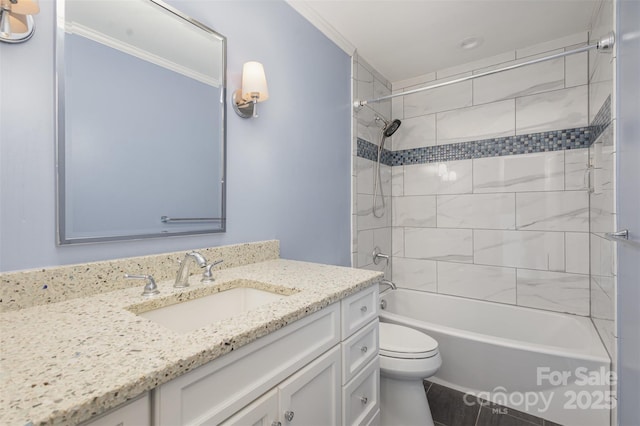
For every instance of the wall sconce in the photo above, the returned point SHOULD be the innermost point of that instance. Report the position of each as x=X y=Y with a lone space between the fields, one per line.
x=254 y=89
x=16 y=22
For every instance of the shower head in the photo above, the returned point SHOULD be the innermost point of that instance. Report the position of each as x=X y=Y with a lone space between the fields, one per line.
x=390 y=128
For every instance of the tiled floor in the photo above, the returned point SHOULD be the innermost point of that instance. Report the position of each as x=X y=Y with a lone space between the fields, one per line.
x=448 y=408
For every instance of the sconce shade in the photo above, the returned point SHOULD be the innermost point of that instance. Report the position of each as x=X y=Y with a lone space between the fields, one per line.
x=25 y=7
x=254 y=81
x=16 y=24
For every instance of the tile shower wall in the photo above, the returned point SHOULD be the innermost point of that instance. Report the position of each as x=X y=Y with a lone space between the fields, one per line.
x=368 y=230
x=602 y=159
x=505 y=228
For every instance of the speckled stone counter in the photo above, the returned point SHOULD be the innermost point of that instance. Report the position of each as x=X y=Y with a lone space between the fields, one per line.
x=63 y=363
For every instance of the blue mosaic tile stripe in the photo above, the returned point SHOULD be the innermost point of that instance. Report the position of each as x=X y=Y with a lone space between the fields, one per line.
x=601 y=120
x=370 y=151
x=512 y=145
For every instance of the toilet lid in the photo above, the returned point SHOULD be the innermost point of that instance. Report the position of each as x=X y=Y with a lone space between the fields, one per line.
x=398 y=341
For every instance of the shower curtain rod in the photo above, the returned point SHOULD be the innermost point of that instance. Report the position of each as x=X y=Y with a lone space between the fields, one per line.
x=604 y=44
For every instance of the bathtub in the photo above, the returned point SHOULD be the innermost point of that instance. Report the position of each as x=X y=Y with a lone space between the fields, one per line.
x=547 y=364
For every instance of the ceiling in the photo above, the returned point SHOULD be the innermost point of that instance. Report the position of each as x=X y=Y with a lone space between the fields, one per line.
x=407 y=38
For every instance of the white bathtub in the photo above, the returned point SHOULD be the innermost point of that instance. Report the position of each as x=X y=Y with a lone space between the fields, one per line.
x=495 y=351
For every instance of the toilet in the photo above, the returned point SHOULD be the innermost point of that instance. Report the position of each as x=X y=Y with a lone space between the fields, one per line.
x=406 y=357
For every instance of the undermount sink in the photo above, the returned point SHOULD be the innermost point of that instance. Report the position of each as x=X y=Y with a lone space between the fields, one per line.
x=190 y=315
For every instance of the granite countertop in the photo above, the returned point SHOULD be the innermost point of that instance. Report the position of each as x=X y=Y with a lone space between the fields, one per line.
x=66 y=362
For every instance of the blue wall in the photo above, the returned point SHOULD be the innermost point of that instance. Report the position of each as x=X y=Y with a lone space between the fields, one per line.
x=288 y=171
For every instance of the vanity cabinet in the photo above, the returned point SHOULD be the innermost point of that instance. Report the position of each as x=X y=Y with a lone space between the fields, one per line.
x=320 y=370
x=134 y=413
x=310 y=396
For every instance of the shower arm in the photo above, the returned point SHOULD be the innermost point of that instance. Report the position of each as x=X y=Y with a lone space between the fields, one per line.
x=605 y=44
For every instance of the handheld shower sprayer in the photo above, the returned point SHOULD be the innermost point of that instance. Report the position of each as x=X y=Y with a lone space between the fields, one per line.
x=389 y=128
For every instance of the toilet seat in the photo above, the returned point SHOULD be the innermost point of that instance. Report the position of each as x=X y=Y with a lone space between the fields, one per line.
x=397 y=341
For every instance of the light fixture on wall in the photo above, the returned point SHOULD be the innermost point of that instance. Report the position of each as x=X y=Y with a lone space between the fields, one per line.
x=254 y=89
x=16 y=22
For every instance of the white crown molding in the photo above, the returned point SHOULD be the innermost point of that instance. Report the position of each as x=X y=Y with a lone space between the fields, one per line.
x=309 y=13
x=98 y=37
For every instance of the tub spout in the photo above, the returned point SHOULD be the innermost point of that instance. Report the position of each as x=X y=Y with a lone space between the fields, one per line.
x=391 y=285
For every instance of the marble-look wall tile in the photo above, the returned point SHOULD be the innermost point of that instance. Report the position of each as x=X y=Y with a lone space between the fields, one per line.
x=452 y=177
x=487 y=121
x=415 y=133
x=364 y=86
x=416 y=211
x=366 y=219
x=397 y=181
x=519 y=173
x=382 y=240
x=441 y=99
x=397 y=106
x=576 y=69
x=553 y=291
x=477 y=282
x=553 y=211
x=384 y=107
x=367 y=127
x=364 y=175
x=522 y=249
x=607 y=331
x=560 y=109
x=523 y=81
x=577 y=252
x=576 y=162
x=488 y=211
x=603 y=297
x=416 y=274
x=365 y=247
x=397 y=241
x=603 y=255
x=454 y=245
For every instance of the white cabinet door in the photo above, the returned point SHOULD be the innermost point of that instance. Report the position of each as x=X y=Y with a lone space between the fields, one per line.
x=262 y=412
x=311 y=397
x=135 y=413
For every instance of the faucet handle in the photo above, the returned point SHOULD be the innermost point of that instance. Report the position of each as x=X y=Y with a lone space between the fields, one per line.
x=150 y=287
x=207 y=275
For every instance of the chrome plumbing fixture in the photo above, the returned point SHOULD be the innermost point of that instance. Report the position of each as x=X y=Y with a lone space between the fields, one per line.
x=150 y=287
x=377 y=255
x=207 y=275
x=391 y=285
x=182 y=279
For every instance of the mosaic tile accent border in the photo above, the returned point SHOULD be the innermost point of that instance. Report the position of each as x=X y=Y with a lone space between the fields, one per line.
x=557 y=140
x=370 y=151
x=601 y=120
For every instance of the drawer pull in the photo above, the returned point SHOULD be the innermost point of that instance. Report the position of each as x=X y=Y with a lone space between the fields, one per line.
x=276 y=423
x=288 y=415
x=364 y=399
x=363 y=309
x=364 y=349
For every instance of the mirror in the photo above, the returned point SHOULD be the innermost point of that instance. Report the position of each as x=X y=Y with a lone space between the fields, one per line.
x=141 y=122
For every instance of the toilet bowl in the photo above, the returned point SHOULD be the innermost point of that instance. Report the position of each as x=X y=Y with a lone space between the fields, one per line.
x=406 y=357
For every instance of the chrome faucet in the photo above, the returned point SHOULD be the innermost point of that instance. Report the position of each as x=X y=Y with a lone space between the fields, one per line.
x=182 y=279
x=389 y=283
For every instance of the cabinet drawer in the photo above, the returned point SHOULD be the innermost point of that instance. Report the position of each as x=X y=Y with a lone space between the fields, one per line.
x=358 y=309
x=215 y=391
x=361 y=396
x=135 y=413
x=262 y=412
x=358 y=350
x=375 y=420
